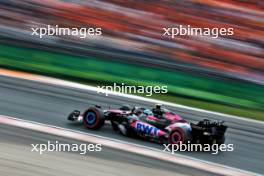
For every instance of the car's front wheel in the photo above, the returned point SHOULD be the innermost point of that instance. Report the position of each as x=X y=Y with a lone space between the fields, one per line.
x=93 y=118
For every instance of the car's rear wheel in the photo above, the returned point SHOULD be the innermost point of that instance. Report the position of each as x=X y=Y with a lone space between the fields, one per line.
x=93 y=118
x=178 y=136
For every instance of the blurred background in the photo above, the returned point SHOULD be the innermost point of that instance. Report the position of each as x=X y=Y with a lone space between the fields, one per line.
x=223 y=74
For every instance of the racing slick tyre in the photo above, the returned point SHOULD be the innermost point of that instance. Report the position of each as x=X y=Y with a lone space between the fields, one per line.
x=93 y=118
x=178 y=135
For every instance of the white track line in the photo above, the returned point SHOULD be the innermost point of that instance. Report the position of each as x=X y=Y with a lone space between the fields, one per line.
x=126 y=146
x=59 y=82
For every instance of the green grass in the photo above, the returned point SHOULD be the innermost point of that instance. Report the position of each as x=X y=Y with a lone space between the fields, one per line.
x=247 y=113
x=229 y=97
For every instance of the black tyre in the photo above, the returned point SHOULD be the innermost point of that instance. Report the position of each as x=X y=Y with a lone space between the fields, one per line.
x=93 y=118
x=178 y=135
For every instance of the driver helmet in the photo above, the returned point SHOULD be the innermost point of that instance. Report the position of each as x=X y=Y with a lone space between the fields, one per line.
x=137 y=110
x=158 y=106
x=148 y=112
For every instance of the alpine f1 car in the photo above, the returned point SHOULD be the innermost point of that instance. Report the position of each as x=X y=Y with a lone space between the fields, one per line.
x=157 y=124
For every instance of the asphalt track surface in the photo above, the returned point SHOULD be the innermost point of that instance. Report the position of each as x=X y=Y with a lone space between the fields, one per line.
x=51 y=104
x=18 y=159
